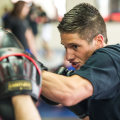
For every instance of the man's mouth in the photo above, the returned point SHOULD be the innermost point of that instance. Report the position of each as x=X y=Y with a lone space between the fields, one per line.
x=76 y=65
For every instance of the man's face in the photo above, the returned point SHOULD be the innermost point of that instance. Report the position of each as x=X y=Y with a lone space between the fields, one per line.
x=77 y=50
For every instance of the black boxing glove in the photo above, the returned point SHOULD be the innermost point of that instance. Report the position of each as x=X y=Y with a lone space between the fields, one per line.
x=64 y=71
x=8 y=39
x=80 y=109
x=19 y=74
x=50 y=102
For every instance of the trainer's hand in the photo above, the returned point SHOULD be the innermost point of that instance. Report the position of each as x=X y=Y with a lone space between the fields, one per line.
x=24 y=108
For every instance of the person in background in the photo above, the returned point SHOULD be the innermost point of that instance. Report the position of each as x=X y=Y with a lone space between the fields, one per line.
x=32 y=19
x=46 y=33
x=17 y=23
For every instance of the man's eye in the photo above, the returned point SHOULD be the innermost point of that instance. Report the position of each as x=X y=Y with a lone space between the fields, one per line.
x=75 y=47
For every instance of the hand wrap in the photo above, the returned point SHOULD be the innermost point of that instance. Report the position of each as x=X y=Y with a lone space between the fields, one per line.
x=64 y=71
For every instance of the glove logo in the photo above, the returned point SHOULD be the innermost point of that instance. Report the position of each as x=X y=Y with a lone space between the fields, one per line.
x=19 y=85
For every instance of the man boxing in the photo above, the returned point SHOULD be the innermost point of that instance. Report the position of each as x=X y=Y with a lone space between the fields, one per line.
x=93 y=89
x=20 y=80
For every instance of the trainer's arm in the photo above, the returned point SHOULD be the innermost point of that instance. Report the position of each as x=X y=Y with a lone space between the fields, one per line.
x=24 y=108
x=65 y=90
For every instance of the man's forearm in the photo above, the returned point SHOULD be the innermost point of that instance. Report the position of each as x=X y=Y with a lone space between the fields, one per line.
x=24 y=108
x=61 y=89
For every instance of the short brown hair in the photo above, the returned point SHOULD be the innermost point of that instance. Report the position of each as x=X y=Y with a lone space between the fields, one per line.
x=85 y=20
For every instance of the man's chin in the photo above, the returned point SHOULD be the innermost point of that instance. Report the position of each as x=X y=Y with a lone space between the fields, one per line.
x=76 y=67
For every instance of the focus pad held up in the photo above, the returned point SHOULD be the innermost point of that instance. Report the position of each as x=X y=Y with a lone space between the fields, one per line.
x=19 y=74
x=8 y=39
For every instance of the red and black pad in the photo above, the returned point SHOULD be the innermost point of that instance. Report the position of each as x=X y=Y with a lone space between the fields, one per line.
x=19 y=74
x=8 y=39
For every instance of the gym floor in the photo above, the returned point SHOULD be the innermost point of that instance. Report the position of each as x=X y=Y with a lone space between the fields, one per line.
x=49 y=112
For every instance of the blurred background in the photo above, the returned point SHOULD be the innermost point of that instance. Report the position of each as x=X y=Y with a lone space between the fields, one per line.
x=43 y=17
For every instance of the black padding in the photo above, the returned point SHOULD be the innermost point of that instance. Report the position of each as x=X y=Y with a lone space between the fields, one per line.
x=8 y=39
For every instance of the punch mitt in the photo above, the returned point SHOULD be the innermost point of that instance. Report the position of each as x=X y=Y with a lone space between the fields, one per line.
x=8 y=39
x=19 y=74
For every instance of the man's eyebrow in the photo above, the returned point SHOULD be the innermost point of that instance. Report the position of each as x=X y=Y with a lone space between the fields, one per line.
x=72 y=44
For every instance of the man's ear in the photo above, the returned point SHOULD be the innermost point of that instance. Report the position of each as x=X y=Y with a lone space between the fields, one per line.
x=99 y=41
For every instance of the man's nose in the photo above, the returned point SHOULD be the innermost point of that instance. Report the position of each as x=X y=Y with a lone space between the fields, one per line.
x=69 y=55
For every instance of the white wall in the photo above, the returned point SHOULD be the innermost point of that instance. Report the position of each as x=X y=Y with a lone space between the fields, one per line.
x=113 y=31
x=5 y=4
x=71 y=3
